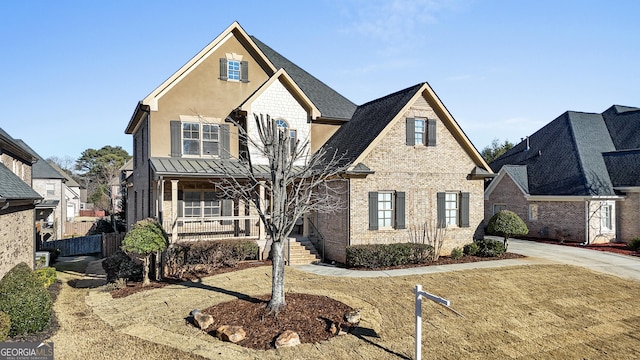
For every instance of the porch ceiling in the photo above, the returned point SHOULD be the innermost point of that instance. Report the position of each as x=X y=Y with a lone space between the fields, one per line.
x=204 y=167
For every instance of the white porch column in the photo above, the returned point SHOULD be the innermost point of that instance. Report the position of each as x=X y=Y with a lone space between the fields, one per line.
x=174 y=211
x=305 y=225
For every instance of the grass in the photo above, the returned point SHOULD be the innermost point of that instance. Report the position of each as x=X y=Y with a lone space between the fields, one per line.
x=525 y=312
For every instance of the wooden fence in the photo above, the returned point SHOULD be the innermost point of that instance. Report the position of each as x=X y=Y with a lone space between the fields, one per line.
x=77 y=228
x=104 y=244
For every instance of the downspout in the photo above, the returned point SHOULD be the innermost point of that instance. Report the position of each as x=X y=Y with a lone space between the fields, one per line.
x=587 y=208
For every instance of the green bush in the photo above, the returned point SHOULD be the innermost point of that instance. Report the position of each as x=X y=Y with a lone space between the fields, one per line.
x=5 y=326
x=25 y=300
x=47 y=276
x=471 y=248
x=121 y=266
x=384 y=255
x=634 y=244
x=507 y=224
x=489 y=248
x=457 y=253
x=202 y=256
x=145 y=238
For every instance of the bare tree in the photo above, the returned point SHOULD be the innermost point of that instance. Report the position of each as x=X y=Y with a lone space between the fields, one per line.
x=296 y=183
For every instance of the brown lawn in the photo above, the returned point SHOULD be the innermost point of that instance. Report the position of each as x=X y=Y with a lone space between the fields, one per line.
x=525 y=312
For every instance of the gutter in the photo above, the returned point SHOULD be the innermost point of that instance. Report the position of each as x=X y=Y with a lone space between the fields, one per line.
x=587 y=206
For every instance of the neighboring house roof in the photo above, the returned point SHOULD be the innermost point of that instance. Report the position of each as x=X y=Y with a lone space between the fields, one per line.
x=197 y=167
x=567 y=156
x=623 y=167
x=8 y=143
x=69 y=181
x=14 y=188
x=330 y=103
x=41 y=169
x=354 y=139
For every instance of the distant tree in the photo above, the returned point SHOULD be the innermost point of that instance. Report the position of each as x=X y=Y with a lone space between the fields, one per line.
x=506 y=223
x=145 y=238
x=98 y=168
x=65 y=163
x=495 y=150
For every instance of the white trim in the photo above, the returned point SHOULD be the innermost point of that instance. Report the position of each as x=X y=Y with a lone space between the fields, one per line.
x=571 y=198
x=494 y=183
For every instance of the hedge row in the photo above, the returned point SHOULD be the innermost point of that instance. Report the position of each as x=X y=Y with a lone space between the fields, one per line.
x=203 y=256
x=384 y=255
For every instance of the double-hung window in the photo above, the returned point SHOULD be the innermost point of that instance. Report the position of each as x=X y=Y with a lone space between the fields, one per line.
x=605 y=217
x=233 y=70
x=453 y=209
x=200 y=139
x=419 y=131
x=51 y=189
x=199 y=204
x=283 y=127
x=386 y=210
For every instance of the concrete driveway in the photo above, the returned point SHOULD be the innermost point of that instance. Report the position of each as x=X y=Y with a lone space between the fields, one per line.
x=536 y=253
x=620 y=265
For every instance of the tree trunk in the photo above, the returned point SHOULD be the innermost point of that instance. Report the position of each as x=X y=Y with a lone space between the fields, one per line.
x=145 y=271
x=277 y=302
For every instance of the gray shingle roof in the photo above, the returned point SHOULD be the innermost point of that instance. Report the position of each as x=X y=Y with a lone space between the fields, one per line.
x=366 y=124
x=575 y=154
x=519 y=175
x=330 y=103
x=13 y=188
x=623 y=167
x=41 y=169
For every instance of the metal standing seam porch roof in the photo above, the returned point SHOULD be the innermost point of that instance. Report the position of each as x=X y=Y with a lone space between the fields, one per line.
x=197 y=167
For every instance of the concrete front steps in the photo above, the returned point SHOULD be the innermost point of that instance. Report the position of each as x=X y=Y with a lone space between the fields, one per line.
x=302 y=252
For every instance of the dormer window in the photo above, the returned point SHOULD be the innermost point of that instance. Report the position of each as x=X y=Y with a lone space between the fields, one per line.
x=233 y=68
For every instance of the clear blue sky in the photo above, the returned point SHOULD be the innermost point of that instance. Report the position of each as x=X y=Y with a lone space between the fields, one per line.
x=73 y=71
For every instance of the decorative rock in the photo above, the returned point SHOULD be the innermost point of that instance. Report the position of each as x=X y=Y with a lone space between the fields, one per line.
x=287 y=339
x=202 y=320
x=338 y=329
x=352 y=317
x=231 y=333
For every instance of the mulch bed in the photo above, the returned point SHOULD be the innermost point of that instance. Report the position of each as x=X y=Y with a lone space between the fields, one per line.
x=447 y=260
x=310 y=316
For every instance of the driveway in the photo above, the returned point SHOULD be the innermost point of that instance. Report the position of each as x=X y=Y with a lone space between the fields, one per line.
x=627 y=267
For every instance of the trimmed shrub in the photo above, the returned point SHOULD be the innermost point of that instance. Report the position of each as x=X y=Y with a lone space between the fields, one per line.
x=145 y=238
x=200 y=257
x=47 y=276
x=507 y=224
x=25 y=300
x=384 y=255
x=471 y=248
x=634 y=244
x=457 y=253
x=121 y=266
x=489 y=248
x=5 y=326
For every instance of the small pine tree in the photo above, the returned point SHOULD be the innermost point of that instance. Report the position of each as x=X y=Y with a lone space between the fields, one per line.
x=145 y=238
x=507 y=224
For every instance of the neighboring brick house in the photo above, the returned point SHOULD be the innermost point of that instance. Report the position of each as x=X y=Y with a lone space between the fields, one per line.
x=576 y=179
x=184 y=133
x=17 y=204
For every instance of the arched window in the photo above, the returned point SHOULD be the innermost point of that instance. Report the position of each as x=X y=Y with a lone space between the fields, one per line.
x=293 y=134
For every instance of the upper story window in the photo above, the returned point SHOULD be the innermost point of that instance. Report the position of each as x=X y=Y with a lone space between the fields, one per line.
x=233 y=68
x=200 y=139
x=421 y=132
x=291 y=133
x=51 y=189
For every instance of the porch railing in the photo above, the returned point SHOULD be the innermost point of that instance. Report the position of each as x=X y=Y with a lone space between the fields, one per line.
x=221 y=227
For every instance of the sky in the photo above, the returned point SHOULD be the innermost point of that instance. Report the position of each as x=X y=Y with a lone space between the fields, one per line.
x=73 y=71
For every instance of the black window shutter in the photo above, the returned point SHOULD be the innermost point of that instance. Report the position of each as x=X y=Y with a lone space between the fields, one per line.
x=176 y=147
x=373 y=211
x=223 y=69
x=411 y=131
x=227 y=210
x=225 y=141
x=244 y=71
x=464 y=210
x=400 y=210
x=442 y=214
x=431 y=130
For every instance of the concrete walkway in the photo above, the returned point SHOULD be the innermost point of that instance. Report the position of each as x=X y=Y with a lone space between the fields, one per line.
x=536 y=253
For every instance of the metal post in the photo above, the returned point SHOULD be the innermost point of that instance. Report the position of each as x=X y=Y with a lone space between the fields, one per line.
x=418 y=345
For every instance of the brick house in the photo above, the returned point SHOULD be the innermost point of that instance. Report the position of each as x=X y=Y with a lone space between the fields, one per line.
x=17 y=204
x=184 y=134
x=576 y=179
